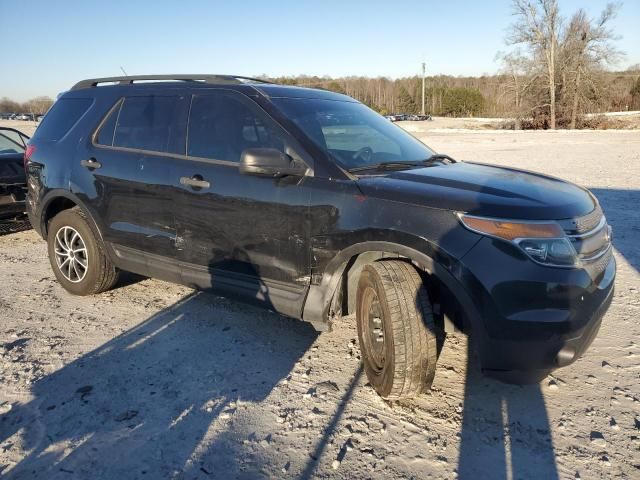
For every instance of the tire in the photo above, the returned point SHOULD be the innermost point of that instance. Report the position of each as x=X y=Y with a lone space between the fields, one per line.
x=68 y=234
x=396 y=329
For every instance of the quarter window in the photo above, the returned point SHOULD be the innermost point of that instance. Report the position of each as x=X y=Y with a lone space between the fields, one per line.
x=222 y=126
x=105 y=135
x=62 y=116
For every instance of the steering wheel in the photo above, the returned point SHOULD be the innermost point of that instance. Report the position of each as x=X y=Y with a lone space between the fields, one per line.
x=365 y=153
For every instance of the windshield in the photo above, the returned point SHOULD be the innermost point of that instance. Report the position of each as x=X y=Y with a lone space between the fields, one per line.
x=353 y=134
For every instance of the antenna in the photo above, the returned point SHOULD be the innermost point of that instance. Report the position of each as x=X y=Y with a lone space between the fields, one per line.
x=124 y=71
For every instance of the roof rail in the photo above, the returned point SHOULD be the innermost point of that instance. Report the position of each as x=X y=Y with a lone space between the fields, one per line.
x=128 y=80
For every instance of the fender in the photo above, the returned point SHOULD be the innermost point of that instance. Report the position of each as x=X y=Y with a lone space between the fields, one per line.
x=320 y=296
x=54 y=194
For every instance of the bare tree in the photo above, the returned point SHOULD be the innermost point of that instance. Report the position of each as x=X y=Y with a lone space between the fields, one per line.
x=520 y=76
x=38 y=105
x=8 y=106
x=587 y=47
x=538 y=25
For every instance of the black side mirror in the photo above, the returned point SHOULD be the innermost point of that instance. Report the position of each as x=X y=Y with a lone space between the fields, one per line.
x=269 y=162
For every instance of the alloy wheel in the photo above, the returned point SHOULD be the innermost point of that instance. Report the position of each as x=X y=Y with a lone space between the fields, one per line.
x=71 y=254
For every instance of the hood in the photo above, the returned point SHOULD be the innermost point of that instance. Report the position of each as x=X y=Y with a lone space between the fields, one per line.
x=484 y=190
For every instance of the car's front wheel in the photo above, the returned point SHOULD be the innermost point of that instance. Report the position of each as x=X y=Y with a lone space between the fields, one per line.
x=77 y=255
x=396 y=329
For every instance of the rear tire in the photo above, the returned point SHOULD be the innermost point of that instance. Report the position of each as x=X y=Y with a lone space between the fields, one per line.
x=77 y=255
x=396 y=329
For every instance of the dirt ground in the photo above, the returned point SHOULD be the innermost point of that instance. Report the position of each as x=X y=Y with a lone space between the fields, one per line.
x=152 y=380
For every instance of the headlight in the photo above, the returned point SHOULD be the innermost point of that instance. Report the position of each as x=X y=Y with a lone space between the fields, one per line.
x=557 y=251
x=543 y=242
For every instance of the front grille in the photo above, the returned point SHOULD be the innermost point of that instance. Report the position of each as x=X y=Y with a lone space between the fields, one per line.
x=590 y=237
x=14 y=226
x=584 y=224
x=596 y=267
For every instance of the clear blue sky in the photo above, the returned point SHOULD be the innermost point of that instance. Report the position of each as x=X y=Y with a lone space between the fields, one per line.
x=52 y=44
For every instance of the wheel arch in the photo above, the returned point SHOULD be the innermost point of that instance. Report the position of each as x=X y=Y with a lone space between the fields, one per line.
x=57 y=201
x=338 y=284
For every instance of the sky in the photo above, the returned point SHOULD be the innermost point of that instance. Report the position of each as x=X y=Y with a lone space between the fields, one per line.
x=53 y=44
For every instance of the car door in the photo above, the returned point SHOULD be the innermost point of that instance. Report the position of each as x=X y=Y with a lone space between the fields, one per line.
x=130 y=159
x=241 y=234
x=12 y=146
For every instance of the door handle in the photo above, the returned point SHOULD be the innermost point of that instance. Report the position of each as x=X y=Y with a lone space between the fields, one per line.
x=91 y=163
x=195 y=182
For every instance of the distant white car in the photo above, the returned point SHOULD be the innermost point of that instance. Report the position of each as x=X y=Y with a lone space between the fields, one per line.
x=22 y=116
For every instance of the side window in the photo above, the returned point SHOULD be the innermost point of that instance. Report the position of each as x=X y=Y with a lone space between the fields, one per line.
x=105 y=135
x=61 y=117
x=9 y=144
x=152 y=123
x=222 y=126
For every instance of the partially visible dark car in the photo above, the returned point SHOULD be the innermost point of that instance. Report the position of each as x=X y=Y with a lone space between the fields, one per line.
x=419 y=118
x=13 y=183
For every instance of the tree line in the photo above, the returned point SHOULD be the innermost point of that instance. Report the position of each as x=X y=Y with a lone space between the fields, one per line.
x=487 y=95
x=36 y=106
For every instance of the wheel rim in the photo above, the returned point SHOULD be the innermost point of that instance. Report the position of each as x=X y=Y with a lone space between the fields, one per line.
x=374 y=334
x=71 y=254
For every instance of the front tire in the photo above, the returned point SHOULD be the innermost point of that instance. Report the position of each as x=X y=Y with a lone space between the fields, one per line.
x=77 y=255
x=396 y=329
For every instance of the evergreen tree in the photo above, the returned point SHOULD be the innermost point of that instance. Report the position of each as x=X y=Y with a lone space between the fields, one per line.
x=405 y=102
x=336 y=87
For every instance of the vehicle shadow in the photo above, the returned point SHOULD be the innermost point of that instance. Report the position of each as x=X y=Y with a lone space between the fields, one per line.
x=153 y=392
x=621 y=208
x=505 y=429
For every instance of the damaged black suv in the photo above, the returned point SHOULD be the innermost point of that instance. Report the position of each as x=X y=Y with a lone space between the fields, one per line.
x=312 y=205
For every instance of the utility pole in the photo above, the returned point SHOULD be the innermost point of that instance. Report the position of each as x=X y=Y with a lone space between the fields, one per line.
x=423 y=69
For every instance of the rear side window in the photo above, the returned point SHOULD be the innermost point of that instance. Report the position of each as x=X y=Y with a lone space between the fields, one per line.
x=148 y=123
x=63 y=115
x=222 y=126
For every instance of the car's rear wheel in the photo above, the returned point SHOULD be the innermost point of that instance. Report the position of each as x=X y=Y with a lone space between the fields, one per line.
x=77 y=255
x=396 y=329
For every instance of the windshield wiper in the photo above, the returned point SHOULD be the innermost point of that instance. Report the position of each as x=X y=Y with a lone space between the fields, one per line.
x=386 y=166
x=439 y=157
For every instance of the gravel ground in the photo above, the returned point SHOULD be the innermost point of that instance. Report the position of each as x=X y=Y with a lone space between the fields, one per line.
x=153 y=380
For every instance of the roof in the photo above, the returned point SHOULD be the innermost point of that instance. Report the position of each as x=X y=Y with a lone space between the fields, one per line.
x=290 y=91
x=268 y=89
x=201 y=78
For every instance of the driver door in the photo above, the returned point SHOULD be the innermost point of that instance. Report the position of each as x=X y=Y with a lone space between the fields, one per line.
x=240 y=234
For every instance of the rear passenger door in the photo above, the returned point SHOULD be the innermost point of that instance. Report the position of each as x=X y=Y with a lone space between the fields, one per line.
x=138 y=144
x=236 y=233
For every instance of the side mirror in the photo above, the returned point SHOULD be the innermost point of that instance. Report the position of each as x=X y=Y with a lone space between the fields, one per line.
x=269 y=162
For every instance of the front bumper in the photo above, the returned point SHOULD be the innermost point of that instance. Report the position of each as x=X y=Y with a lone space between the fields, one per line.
x=530 y=327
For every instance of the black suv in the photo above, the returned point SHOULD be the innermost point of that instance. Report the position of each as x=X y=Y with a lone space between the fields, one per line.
x=311 y=204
